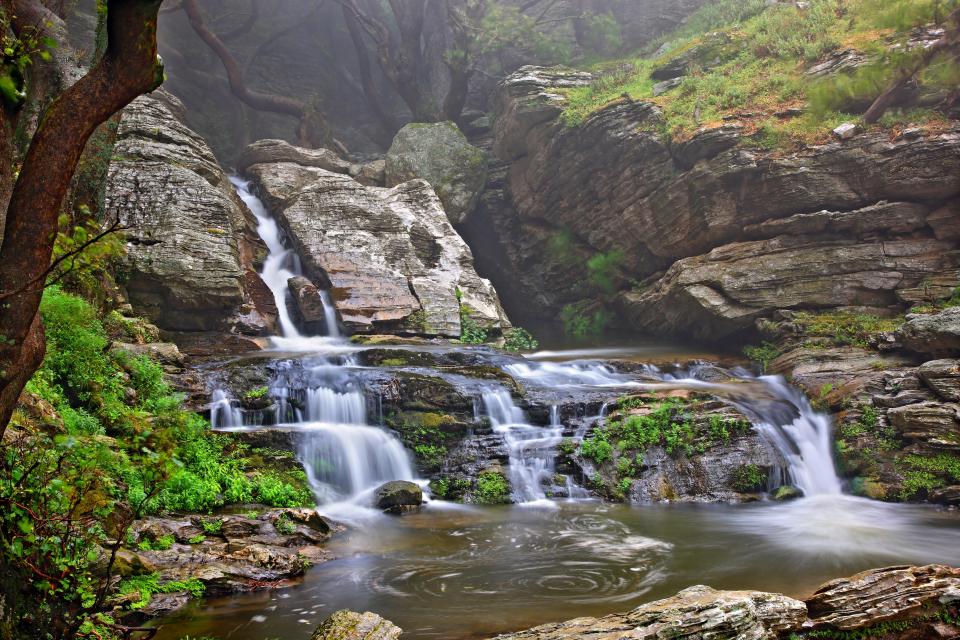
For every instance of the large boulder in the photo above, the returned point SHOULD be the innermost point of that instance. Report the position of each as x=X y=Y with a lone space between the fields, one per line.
x=350 y=625
x=191 y=242
x=936 y=334
x=390 y=257
x=398 y=496
x=696 y=612
x=440 y=154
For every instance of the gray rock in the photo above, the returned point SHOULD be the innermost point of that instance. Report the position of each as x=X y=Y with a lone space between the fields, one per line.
x=661 y=88
x=163 y=352
x=943 y=377
x=936 y=424
x=393 y=260
x=846 y=131
x=190 y=240
x=270 y=151
x=700 y=612
x=349 y=625
x=440 y=154
x=936 y=334
x=883 y=595
x=398 y=496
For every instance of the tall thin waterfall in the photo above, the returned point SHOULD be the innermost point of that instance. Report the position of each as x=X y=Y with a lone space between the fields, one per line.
x=532 y=449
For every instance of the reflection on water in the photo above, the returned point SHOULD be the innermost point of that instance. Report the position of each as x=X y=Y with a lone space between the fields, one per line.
x=457 y=572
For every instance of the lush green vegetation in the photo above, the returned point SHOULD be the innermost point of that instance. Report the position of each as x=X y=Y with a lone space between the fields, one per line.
x=922 y=474
x=747 y=62
x=144 y=586
x=763 y=354
x=102 y=440
x=492 y=488
x=584 y=320
x=519 y=339
x=426 y=433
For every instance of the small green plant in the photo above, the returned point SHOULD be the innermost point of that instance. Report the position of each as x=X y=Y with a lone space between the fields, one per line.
x=567 y=446
x=212 y=527
x=603 y=270
x=519 y=339
x=763 y=354
x=162 y=543
x=256 y=393
x=597 y=447
x=147 y=585
x=197 y=539
x=284 y=525
x=748 y=478
x=492 y=488
x=470 y=330
x=580 y=323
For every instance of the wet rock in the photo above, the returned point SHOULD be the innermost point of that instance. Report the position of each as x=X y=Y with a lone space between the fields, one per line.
x=308 y=305
x=398 y=496
x=373 y=174
x=190 y=240
x=440 y=154
x=945 y=495
x=884 y=595
x=696 y=612
x=943 y=376
x=391 y=257
x=785 y=493
x=349 y=625
x=936 y=333
x=273 y=151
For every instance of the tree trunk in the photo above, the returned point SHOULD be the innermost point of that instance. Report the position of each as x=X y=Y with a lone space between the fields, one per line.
x=128 y=68
x=312 y=128
x=387 y=122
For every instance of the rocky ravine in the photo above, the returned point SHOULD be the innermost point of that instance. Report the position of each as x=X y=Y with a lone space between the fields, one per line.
x=894 y=603
x=712 y=232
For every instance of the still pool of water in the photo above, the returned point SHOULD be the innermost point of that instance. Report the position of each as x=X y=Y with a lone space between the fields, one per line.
x=457 y=572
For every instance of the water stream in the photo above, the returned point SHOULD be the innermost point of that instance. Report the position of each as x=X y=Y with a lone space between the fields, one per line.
x=458 y=572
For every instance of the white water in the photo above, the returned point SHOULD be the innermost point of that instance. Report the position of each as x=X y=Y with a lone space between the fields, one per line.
x=778 y=412
x=532 y=449
x=344 y=457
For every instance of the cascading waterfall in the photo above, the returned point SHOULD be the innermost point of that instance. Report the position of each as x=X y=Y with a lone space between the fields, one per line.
x=779 y=413
x=532 y=449
x=344 y=457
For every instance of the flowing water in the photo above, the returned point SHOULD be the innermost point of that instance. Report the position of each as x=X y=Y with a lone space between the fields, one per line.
x=459 y=572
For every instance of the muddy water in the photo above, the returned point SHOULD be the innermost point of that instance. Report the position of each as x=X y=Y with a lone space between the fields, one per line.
x=456 y=572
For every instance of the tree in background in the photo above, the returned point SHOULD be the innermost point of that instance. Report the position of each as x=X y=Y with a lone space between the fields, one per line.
x=312 y=130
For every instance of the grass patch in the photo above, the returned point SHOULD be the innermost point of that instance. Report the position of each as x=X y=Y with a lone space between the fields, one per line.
x=147 y=585
x=845 y=329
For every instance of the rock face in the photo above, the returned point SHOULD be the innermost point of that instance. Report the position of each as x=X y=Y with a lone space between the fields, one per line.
x=398 y=496
x=696 y=612
x=710 y=233
x=390 y=257
x=440 y=154
x=936 y=334
x=349 y=625
x=190 y=240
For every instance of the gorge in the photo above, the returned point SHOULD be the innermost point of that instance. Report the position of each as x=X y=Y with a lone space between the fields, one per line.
x=603 y=319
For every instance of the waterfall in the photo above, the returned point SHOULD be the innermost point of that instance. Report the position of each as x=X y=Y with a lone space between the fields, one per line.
x=281 y=265
x=223 y=414
x=531 y=449
x=333 y=407
x=780 y=414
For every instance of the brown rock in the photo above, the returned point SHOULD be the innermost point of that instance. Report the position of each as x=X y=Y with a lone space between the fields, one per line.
x=943 y=376
x=933 y=423
x=883 y=595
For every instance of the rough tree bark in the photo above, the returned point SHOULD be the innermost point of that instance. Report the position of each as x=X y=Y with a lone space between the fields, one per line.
x=128 y=68
x=312 y=131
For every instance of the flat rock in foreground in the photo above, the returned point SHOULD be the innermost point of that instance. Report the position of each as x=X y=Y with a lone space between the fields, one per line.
x=349 y=625
x=696 y=612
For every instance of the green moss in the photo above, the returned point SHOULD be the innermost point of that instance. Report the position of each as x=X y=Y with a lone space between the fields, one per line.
x=160 y=544
x=762 y=355
x=491 y=488
x=748 y=478
x=147 y=585
x=843 y=328
x=257 y=393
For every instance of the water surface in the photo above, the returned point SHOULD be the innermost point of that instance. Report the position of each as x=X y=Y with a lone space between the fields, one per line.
x=457 y=572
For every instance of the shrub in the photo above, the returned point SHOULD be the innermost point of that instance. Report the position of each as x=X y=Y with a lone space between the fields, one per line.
x=597 y=447
x=492 y=488
x=519 y=339
x=580 y=323
x=748 y=478
x=603 y=269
